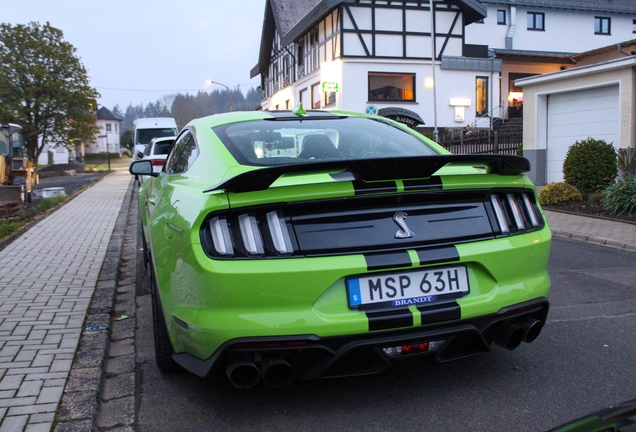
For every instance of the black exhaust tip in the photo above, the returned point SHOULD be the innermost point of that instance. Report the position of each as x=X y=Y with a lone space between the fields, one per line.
x=509 y=336
x=531 y=327
x=276 y=372
x=243 y=373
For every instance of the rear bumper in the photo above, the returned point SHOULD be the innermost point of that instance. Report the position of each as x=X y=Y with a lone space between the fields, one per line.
x=314 y=357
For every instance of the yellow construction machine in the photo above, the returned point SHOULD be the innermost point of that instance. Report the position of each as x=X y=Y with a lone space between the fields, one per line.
x=18 y=174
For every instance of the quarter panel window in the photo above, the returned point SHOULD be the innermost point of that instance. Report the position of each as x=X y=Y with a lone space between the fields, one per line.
x=391 y=86
x=182 y=155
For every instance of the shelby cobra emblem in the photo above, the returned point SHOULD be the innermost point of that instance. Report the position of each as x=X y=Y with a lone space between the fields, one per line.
x=405 y=232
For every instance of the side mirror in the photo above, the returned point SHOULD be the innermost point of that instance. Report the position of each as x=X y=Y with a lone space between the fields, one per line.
x=143 y=167
x=140 y=155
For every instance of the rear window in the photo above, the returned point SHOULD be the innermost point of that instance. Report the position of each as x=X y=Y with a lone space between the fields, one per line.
x=162 y=148
x=289 y=141
x=145 y=135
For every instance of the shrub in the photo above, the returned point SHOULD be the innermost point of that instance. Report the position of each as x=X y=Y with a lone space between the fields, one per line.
x=595 y=198
x=620 y=198
x=590 y=165
x=555 y=193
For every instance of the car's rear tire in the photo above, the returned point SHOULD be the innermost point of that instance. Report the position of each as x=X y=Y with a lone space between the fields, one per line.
x=163 y=346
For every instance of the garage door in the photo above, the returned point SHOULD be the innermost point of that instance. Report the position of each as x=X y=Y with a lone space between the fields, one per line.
x=574 y=116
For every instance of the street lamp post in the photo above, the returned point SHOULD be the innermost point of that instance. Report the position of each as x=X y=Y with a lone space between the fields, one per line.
x=228 y=89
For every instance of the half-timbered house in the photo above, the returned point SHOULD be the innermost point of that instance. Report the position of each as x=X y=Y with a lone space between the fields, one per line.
x=375 y=55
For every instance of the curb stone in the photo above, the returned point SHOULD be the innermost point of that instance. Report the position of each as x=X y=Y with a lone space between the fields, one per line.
x=81 y=399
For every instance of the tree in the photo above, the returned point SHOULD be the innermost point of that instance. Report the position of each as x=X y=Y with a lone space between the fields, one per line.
x=44 y=87
x=184 y=109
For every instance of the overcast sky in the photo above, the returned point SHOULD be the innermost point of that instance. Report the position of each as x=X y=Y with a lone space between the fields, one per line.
x=137 y=51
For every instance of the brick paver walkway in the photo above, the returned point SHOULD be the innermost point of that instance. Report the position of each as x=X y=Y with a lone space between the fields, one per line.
x=47 y=278
x=605 y=232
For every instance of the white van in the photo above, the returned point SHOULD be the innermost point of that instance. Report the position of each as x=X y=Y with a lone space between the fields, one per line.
x=145 y=129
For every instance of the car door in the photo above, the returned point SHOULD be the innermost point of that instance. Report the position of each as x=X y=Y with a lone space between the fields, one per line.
x=163 y=208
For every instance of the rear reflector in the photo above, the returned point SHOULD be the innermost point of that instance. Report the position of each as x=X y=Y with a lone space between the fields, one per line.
x=417 y=348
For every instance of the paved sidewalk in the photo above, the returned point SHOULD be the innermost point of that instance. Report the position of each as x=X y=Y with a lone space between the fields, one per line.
x=47 y=278
x=620 y=235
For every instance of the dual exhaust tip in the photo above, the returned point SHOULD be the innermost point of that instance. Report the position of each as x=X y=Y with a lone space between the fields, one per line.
x=275 y=372
x=511 y=334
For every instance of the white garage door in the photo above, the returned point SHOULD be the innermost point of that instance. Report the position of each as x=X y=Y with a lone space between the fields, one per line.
x=574 y=116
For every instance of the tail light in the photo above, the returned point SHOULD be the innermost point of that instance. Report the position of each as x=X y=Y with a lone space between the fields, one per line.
x=515 y=212
x=248 y=235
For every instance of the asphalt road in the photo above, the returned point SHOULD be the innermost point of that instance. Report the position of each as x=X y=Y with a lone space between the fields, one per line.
x=583 y=360
x=69 y=183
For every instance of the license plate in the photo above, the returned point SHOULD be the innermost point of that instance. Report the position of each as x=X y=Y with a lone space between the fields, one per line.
x=407 y=288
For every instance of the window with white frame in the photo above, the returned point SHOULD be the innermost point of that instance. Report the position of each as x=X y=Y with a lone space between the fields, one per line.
x=391 y=86
x=108 y=127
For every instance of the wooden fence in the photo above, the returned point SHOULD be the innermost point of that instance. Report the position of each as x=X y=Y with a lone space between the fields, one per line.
x=483 y=141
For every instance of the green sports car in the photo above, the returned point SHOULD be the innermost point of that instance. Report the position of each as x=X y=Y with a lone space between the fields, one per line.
x=293 y=244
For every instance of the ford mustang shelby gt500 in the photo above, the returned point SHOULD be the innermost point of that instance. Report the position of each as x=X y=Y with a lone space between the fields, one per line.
x=295 y=244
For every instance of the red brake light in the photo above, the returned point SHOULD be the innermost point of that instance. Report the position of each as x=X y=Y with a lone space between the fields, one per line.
x=158 y=162
x=413 y=349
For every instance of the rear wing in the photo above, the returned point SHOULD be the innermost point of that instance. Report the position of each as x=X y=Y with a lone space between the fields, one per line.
x=418 y=167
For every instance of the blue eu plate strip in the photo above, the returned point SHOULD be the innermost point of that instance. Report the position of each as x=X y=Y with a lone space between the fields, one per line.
x=354 y=292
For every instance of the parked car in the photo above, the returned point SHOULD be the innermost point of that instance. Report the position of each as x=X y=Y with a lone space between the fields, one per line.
x=156 y=152
x=312 y=244
x=145 y=129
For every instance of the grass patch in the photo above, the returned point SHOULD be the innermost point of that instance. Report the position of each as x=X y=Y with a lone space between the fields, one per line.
x=9 y=227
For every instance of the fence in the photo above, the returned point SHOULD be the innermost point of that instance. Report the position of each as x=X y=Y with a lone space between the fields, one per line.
x=506 y=141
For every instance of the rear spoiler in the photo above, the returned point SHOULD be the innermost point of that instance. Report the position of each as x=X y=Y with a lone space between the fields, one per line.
x=374 y=169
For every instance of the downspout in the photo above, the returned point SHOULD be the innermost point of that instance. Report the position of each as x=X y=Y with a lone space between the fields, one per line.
x=510 y=35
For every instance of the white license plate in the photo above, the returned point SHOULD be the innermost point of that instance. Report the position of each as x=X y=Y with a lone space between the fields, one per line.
x=407 y=288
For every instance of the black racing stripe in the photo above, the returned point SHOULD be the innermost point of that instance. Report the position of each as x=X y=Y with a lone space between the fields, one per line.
x=447 y=311
x=433 y=182
x=362 y=188
x=437 y=255
x=384 y=320
x=388 y=260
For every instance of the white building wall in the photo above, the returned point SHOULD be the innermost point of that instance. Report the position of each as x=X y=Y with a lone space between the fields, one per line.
x=100 y=145
x=565 y=30
x=451 y=84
